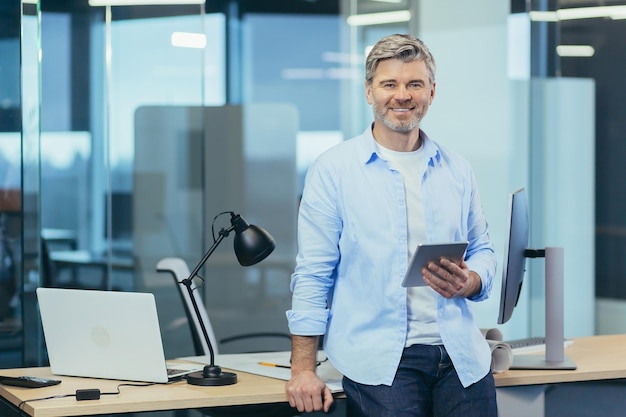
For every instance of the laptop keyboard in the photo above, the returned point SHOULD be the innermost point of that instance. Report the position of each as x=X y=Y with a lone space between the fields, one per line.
x=172 y=371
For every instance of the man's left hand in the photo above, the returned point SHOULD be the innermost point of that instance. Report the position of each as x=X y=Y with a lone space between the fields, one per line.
x=452 y=280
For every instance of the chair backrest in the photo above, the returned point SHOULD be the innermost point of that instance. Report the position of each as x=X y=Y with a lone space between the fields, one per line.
x=180 y=271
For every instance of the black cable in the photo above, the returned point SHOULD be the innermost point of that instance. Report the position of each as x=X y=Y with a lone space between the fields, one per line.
x=213 y=223
x=21 y=404
x=78 y=394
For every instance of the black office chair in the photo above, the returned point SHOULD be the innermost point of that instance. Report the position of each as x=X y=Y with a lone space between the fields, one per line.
x=180 y=271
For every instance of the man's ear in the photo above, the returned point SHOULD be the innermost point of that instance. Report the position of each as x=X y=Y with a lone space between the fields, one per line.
x=368 y=93
x=432 y=93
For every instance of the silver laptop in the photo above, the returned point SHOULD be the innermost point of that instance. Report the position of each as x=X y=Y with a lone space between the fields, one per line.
x=105 y=334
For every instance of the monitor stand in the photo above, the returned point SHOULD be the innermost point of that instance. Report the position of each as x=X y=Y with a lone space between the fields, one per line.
x=554 y=357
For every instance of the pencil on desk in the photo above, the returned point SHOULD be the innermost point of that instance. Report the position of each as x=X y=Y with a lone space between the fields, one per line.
x=275 y=365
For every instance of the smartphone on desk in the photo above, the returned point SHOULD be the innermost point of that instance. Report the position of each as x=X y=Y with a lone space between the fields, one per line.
x=28 y=381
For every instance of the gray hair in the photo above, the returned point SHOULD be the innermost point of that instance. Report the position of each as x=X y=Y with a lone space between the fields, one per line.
x=404 y=47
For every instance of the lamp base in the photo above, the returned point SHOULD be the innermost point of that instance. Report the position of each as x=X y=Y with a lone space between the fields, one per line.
x=212 y=376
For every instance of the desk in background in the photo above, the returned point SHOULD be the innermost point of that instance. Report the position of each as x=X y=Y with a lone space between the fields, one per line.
x=82 y=258
x=597 y=358
x=65 y=237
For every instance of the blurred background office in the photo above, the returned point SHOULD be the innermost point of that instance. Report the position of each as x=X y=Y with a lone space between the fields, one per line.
x=125 y=128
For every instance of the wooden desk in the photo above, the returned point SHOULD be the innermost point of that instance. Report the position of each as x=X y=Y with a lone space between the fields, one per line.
x=521 y=393
x=250 y=389
x=597 y=358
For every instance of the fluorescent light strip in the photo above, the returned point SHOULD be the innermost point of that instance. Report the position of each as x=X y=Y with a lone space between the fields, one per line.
x=543 y=16
x=613 y=12
x=142 y=2
x=379 y=18
x=188 y=40
x=590 y=12
x=583 y=51
x=339 y=57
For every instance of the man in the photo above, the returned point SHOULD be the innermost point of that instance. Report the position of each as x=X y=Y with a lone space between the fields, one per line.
x=366 y=205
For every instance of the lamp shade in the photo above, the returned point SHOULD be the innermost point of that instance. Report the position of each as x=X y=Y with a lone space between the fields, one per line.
x=252 y=243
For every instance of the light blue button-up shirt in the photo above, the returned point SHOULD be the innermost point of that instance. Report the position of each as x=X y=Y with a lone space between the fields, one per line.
x=352 y=257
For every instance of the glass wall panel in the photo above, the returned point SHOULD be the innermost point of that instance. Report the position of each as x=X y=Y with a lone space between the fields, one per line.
x=160 y=65
x=33 y=271
x=599 y=59
x=289 y=110
x=20 y=260
x=308 y=78
x=11 y=330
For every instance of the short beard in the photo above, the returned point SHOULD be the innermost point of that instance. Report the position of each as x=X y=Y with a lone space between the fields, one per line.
x=401 y=127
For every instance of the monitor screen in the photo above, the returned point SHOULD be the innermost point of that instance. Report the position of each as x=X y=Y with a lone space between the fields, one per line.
x=515 y=244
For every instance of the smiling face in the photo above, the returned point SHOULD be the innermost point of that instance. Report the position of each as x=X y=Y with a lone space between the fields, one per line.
x=400 y=94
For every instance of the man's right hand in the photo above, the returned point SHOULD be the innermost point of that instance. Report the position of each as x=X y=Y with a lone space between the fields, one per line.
x=307 y=392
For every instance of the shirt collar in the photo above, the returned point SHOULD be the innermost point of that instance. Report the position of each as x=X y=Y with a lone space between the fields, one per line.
x=367 y=152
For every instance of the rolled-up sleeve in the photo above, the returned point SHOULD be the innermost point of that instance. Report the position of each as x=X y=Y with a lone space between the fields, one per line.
x=481 y=256
x=318 y=253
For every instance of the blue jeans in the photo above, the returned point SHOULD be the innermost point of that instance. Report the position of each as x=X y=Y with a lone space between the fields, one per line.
x=426 y=385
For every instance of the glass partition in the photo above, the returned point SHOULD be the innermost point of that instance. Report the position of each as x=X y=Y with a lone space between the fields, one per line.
x=20 y=251
x=11 y=335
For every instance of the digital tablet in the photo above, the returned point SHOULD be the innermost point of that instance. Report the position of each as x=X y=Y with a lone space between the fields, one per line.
x=431 y=252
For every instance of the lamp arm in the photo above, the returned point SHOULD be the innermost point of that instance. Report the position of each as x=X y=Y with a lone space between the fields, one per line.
x=222 y=234
x=188 y=281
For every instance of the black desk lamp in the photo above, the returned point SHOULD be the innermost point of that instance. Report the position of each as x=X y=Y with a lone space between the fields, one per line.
x=252 y=244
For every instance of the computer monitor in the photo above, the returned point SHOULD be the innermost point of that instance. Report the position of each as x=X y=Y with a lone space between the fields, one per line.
x=515 y=244
x=514 y=266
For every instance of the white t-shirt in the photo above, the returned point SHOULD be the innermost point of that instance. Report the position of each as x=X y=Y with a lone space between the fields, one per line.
x=421 y=301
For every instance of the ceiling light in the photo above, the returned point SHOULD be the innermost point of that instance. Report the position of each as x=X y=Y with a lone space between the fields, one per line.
x=379 y=18
x=142 y=2
x=575 y=50
x=538 y=16
x=590 y=12
x=188 y=40
x=613 y=12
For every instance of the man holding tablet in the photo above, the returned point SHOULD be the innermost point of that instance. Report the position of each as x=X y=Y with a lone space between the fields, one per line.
x=367 y=204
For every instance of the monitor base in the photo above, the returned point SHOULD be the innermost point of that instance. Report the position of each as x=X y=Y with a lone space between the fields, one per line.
x=539 y=362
